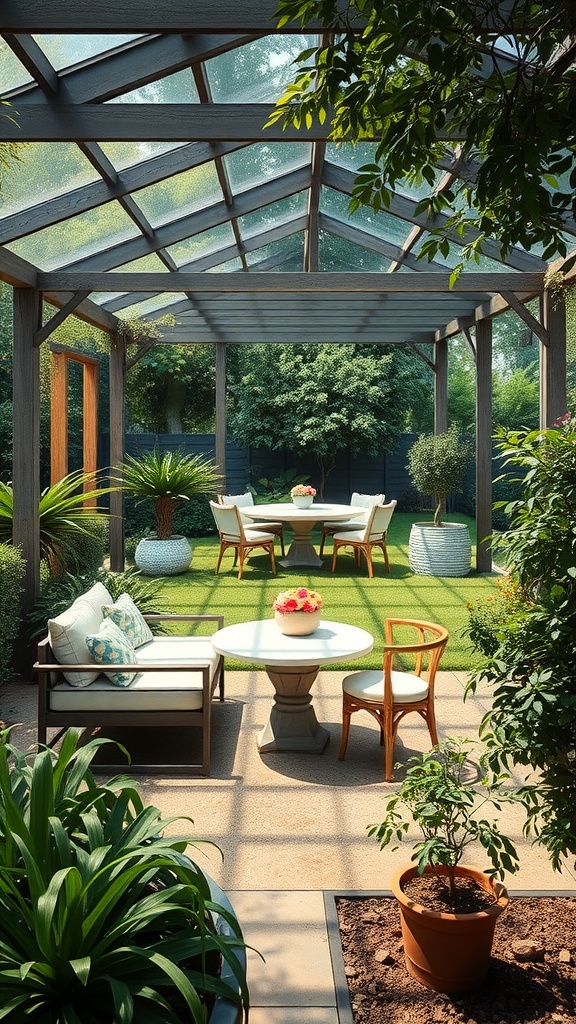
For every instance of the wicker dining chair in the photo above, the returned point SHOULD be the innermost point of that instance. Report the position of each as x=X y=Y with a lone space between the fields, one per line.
x=246 y=501
x=389 y=694
x=365 y=501
x=372 y=535
x=233 y=535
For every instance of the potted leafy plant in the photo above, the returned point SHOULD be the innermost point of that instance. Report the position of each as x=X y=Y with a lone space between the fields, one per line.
x=167 y=479
x=436 y=463
x=448 y=910
x=103 y=918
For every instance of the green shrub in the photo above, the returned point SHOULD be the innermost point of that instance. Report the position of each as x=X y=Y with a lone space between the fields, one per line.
x=437 y=463
x=489 y=618
x=102 y=917
x=59 y=592
x=85 y=552
x=12 y=569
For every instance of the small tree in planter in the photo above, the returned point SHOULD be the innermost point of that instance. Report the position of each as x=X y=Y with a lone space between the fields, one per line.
x=448 y=946
x=167 y=479
x=437 y=463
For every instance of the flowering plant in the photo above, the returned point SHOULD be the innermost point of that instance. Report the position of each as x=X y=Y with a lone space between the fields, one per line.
x=302 y=490
x=299 y=600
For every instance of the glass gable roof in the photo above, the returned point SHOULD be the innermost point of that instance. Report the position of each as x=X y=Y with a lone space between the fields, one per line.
x=239 y=194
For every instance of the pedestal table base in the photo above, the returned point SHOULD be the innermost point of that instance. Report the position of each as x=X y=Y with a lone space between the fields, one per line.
x=293 y=724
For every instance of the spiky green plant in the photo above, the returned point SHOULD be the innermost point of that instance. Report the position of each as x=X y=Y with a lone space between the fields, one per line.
x=168 y=478
x=101 y=918
x=63 y=514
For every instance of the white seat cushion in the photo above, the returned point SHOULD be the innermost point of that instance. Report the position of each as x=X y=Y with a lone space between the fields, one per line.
x=148 y=691
x=259 y=526
x=357 y=535
x=252 y=536
x=369 y=685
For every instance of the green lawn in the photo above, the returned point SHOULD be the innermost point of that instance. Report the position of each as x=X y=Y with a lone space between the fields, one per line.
x=349 y=596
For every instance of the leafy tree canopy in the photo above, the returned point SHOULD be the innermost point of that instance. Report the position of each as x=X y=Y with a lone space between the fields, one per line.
x=321 y=399
x=419 y=74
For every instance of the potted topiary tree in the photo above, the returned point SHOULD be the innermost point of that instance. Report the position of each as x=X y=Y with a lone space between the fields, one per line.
x=167 y=479
x=436 y=463
x=448 y=910
x=102 y=917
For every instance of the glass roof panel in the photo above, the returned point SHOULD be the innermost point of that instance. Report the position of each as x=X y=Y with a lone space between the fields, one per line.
x=150 y=305
x=353 y=156
x=147 y=264
x=254 y=164
x=202 y=244
x=180 y=195
x=73 y=239
x=256 y=72
x=178 y=88
x=127 y=154
x=384 y=225
x=274 y=213
x=339 y=254
x=454 y=257
x=226 y=268
x=63 y=51
x=12 y=72
x=45 y=170
x=291 y=248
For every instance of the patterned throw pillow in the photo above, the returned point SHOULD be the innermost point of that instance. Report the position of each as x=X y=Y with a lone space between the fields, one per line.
x=110 y=646
x=127 y=617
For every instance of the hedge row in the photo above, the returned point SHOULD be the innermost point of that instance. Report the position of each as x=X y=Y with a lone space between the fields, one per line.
x=12 y=569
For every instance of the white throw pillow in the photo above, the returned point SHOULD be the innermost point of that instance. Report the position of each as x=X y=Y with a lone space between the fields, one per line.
x=68 y=632
x=110 y=646
x=129 y=619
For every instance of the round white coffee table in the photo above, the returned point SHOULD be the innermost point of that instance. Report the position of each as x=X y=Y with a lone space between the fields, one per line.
x=292 y=664
x=302 y=522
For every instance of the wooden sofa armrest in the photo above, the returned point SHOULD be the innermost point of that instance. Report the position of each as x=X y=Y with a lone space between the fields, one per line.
x=177 y=617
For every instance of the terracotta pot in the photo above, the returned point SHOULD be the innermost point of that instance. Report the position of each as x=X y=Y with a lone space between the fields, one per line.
x=302 y=500
x=297 y=623
x=448 y=952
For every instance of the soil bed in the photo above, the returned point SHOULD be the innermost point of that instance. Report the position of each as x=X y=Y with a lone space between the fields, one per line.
x=540 y=991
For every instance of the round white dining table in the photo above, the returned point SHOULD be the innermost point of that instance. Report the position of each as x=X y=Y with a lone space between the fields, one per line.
x=302 y=522
x=292 y=664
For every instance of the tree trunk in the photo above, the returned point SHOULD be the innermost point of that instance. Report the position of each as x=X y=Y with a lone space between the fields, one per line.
x=175 y=398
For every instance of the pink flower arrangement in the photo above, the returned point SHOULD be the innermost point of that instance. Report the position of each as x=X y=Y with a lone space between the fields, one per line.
x=299 y=600
x=303 y=490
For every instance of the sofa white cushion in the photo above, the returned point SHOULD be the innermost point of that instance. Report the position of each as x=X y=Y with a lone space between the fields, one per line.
x=129 y=619
x=148 y=691
x=68 y=632
x=111 y=646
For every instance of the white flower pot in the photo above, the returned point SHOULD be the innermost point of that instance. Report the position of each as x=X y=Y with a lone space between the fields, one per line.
x=298 y=623
x=440 y=550
x=163 y=557
x=302 y=501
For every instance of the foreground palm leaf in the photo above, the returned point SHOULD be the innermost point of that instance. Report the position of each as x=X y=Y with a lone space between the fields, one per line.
x=102 y=919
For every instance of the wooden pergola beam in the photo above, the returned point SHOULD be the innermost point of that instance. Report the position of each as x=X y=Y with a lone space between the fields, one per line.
x=483 y=445
x=63 y=313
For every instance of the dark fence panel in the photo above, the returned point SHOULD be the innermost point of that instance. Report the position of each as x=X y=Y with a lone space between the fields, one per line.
x=364 y=473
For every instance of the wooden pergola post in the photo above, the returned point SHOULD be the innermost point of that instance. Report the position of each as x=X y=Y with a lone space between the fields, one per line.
x=440 y=386
x=483 y=445
x=117 y=444
x=26 y=437
x=221 y=411
x=552 y=358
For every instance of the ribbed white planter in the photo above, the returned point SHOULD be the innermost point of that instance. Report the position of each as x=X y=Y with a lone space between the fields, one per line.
x=440 y=550
x=163 y=557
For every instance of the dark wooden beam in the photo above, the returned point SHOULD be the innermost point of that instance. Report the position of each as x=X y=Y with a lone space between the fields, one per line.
x=220 y=438
x=117 y=444
x=553 y=359
x=188 y=16
x=535 y=326
x=26 y=438
x=440 y=387
x=70 y=280
x=312 y=227
x=485 y=311
x=36 y=63
x=50 y=326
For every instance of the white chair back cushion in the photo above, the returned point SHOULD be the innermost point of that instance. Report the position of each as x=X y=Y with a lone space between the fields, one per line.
x=379 y=520
x=227 y=519
x=366 y=501
x=241 y=501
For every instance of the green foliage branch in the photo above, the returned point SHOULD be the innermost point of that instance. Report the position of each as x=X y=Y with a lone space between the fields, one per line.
x=429 y=83
x=102 y=917
x=437 y=463
x=436 y=796
x=12 y=568
x=532 y=670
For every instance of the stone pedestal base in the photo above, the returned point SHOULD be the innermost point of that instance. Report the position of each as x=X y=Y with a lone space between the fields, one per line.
x=293 y=724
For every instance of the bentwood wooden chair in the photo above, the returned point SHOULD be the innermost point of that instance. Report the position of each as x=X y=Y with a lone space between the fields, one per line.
x=232 y=535
x=365 y=501
x=372 y=535
x=244 y=502
x=390 y=694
